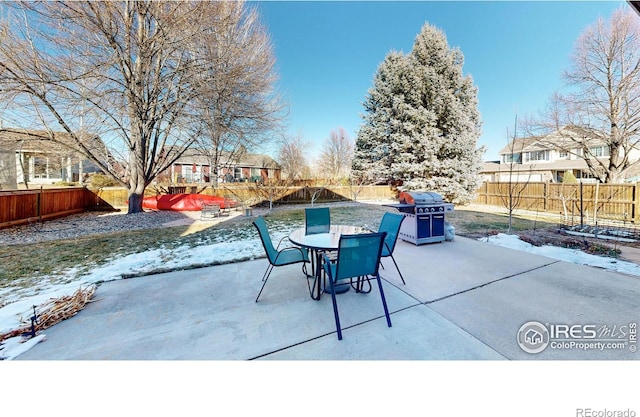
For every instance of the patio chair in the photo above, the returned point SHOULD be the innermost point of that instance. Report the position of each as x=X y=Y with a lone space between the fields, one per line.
x=359 y=258
x=228 y=202
x=317 y=220
x=276 y=256
x=209 y=210
x=391 y=223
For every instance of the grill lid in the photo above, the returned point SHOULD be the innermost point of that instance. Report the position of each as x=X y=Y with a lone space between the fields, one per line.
x=420 y=198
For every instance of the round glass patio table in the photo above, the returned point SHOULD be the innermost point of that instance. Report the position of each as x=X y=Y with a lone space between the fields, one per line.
x=318 y=243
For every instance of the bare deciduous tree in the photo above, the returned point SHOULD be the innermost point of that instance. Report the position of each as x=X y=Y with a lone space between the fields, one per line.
x=237 y=104
x=291 y=157
x=602 y=106
x=335 y=159
x=129 y=72
x=512 y=191
x=356 y=185
x=272 y=190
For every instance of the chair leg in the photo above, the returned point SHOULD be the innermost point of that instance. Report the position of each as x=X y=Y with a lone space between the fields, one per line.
x=313 y=264
x=359 y=284
x=265 y=278
x=401 y=277
x=315 y=290
x=384 y=301
x=335 y=310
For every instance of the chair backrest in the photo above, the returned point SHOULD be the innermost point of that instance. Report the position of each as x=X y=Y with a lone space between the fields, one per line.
x=390 y=223
x=271 y=251
x=359 y=255
x=317 y=220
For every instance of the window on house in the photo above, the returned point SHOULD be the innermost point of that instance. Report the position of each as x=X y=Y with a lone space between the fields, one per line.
x=563 y=154
x=187 y=173
x=512 y=157
x=537 y=156
x=584 y=175
x=599 y=151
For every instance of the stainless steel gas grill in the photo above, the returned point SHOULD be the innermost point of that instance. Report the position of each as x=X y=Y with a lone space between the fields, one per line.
x=424 y=214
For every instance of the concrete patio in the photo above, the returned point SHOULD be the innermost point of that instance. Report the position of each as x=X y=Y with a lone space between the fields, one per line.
x=464 y=300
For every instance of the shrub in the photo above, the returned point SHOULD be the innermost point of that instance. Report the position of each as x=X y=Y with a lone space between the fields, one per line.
x=101 y=180
x=569 y=178
x=65 y=184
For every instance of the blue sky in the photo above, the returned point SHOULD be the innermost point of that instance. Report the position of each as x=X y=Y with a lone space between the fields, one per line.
x=327 y=53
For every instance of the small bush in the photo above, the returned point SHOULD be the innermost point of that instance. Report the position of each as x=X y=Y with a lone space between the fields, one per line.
x=65 y=184
x=101 y=180
x=569 y=178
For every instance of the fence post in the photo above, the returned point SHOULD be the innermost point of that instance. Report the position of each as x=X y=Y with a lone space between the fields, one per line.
x=581 y=207
x=636 y=204
x=486 y=193
x=482 y=195
x=39 y=204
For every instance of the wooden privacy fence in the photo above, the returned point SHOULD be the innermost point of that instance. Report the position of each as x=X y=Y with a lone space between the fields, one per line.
x=586 y=202
x=589 y=202
x=27 y=206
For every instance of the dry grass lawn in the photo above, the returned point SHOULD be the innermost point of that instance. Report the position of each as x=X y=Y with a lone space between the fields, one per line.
x=21 y=263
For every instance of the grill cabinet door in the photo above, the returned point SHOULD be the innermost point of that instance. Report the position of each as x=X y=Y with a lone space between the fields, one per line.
x=437 y=225
x=423 y=225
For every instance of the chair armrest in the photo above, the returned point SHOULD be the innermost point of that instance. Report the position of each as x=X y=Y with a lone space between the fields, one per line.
x=280 y=242
x=289 y=247
x=302 y=252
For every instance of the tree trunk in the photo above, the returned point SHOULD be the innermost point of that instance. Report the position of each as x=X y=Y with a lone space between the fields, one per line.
x=136 y=194
x=135 y=202
x=137 y=183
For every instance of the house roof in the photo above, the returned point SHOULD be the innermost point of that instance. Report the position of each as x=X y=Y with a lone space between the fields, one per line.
x=519 y=145
x=566 y=138
x=490 y=167
x=195 y=156
x=41 y=141
x=259 y=161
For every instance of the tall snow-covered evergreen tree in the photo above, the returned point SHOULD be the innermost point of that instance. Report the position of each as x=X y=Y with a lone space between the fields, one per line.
x=421 y=121
x=372 y=153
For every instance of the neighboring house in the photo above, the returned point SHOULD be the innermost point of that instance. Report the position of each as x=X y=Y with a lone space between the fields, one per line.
x=8 y=176
x=194 y=167
x=547 y=158
x=37 y=160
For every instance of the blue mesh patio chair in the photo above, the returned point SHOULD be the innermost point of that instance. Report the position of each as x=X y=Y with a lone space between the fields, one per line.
x=276 y=256
x=359 y=258
x=391 y=223
x=317 y=220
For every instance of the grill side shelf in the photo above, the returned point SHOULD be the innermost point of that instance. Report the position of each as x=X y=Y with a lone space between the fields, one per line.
x=402 y=208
